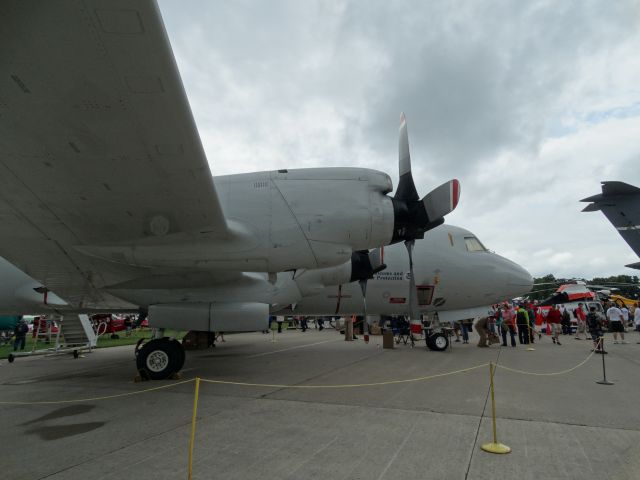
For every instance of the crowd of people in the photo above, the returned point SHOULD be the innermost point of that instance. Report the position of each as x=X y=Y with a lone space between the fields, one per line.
x=524 y=321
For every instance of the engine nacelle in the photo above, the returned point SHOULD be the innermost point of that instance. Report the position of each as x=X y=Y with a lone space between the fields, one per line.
x=310 y=218
x=311 y=282
x=363 y=266
x=346 y=206
x=218 y=317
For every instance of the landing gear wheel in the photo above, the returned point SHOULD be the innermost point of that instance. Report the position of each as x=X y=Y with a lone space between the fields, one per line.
x=159 y=359
x=179 y=349
x=11 y=358
x=438 y=342
x=139 y=346
x=75 y=354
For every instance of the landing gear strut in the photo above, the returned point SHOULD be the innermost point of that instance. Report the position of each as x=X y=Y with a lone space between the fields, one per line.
x=160 y=358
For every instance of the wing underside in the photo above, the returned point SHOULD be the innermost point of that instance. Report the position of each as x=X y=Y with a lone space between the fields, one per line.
x=97 y=141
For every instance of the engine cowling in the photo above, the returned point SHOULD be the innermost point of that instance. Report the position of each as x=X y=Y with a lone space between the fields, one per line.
x=339 y=210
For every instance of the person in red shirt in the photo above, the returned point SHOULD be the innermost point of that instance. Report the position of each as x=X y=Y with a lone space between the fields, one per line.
x=581 y=317
x=554 y=319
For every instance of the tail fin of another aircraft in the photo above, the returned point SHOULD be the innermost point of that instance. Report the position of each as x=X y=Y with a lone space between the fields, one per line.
x=620 y=203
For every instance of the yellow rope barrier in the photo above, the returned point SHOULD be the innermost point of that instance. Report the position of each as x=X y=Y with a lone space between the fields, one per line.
x=562 y=372
x=93 y=399
x=276 y=385
x=354 y=385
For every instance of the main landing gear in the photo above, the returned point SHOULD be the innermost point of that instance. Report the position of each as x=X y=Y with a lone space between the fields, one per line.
x=159 y=358
x=437 y=341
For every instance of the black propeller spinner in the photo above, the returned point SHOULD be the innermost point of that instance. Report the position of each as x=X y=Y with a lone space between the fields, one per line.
x=414 y=216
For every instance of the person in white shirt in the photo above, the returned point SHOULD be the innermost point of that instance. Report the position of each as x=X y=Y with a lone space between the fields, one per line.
x=636 y=317
x=625 y=315
x=614 y=315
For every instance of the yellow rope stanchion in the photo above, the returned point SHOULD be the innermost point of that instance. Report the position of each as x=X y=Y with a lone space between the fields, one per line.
x=600 y=347
x=193 y=427
x=495 y=446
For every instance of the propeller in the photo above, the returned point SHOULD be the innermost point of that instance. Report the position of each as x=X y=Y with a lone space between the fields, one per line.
x=364 y=265
x=415 y=216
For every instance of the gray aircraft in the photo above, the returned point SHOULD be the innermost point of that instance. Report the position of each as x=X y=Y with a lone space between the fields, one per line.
x=107 y=198
x=620 y=203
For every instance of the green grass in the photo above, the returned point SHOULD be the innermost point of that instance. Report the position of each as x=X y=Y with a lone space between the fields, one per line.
x=105 y=341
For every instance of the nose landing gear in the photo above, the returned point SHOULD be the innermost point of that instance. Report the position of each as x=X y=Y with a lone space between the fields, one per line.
x=437 y=341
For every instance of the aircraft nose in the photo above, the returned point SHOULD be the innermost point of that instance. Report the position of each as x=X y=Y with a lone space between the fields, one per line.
x=520 y=279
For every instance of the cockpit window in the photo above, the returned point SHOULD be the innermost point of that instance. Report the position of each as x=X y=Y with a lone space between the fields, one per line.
x=474 y=245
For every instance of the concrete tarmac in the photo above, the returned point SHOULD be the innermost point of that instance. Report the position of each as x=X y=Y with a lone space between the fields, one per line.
x=561 y=426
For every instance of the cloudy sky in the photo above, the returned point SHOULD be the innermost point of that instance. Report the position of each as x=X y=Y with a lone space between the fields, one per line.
x=529 y=104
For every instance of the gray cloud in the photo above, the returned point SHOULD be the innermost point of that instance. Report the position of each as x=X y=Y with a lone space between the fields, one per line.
x=481 y=77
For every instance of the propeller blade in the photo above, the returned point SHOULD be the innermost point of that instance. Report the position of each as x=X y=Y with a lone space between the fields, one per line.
x=365 y=264
x=376 y=259
x=413 y=297
x=442 y=200
x=365 y=325
x=412 y=216
x=406 y=187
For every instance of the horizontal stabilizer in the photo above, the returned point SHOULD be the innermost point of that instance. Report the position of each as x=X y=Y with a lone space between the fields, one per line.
x=634 y=265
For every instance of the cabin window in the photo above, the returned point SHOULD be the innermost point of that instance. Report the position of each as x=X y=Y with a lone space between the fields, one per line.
x=474 y=245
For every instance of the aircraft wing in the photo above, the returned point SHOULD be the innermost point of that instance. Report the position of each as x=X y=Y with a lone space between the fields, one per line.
x=620 y=203
x=97 y=140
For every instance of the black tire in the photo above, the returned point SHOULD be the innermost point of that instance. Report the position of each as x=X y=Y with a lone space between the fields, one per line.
x=115 y=336
x=139 y=346
x=438 y=342
x=11 y=357
x=180 y=353
x=75 y=354
x=158 y=359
